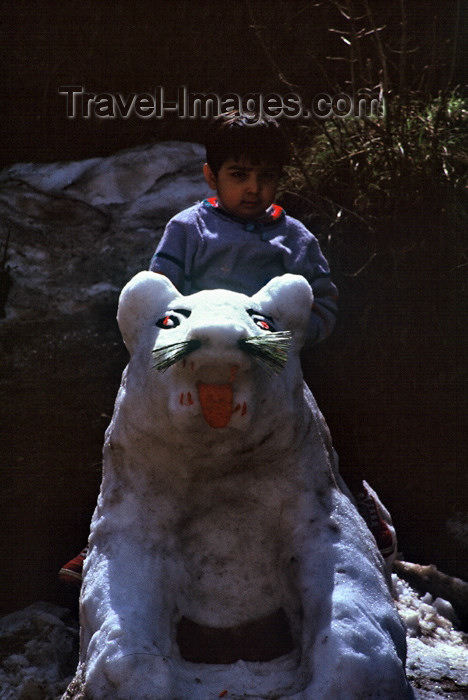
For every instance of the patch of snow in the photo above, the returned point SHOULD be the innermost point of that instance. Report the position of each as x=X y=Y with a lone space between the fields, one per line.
x=51 y=177
x=117 y=179
x=39 y=648
x=437 y=652
x=80 y=230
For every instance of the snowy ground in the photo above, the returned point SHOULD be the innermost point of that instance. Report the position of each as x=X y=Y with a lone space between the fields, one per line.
x=437 y=662
x=39 y=646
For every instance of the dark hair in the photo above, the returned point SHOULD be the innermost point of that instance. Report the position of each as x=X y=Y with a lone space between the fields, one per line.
x=233 y=135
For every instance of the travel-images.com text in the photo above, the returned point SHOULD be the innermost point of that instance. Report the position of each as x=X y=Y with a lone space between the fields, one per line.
x=199 y=105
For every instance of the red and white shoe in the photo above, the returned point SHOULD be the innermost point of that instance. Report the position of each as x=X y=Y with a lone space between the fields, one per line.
x=72 y=571
x=379 y=522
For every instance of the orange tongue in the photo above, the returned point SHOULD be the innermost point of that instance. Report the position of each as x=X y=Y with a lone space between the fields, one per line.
x=216 y=403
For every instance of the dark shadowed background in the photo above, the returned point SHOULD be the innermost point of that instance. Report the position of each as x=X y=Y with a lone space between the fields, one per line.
x=207 y=46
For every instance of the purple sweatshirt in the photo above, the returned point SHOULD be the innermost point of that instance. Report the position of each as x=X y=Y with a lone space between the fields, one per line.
x=205 y=247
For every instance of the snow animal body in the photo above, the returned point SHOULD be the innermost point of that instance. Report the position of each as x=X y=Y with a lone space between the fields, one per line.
x=225 y=552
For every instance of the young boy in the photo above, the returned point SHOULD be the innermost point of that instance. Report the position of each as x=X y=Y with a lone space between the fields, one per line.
x=240 y=239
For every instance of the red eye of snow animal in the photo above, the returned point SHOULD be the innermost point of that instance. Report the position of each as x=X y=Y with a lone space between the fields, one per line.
x=263 y=322
x=168 y=321
x=172 y=318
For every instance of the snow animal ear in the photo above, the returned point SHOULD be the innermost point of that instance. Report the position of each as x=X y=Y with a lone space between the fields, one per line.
x=143 y=298
x=287 y=299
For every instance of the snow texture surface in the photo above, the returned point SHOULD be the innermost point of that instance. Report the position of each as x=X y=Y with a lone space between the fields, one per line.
x=222 y=505
x=437 y=661
x=39 y=646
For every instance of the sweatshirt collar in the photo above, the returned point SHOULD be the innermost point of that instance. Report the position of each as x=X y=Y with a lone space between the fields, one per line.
x=271 y=216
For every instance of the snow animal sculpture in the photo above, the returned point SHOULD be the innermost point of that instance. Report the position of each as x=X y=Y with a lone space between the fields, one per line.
x=226 y=557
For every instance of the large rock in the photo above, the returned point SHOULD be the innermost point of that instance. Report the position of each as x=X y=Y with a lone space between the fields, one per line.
x=76 y=232
x=38 y=652
x=72 y=235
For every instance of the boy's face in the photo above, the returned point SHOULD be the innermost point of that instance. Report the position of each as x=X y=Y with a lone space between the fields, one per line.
x=244 y=189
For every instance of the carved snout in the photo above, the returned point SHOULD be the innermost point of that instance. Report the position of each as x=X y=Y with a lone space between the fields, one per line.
x=269 y=349
x=219 y=335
